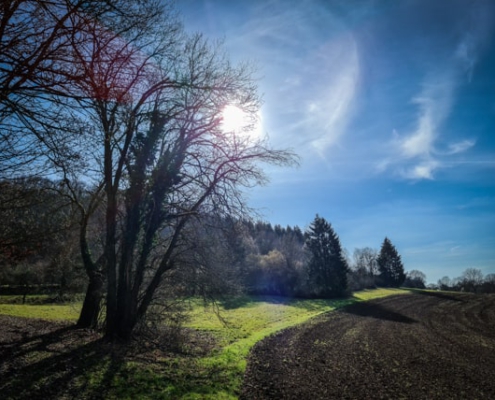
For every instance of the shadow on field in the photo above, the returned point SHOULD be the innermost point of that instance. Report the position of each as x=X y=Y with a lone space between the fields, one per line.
x=372 y=310
x=439 y=295
x=57 y=364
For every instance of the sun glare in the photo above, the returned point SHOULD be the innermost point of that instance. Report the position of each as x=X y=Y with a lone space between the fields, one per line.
x=237 y=121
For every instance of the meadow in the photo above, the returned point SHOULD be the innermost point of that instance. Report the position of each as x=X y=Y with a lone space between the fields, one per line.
x=209 y=363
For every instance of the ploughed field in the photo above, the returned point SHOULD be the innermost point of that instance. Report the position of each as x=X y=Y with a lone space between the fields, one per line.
x=427 y=345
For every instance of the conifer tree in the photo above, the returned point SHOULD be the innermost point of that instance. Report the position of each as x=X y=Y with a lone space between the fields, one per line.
x=390 y=265
x=327 y=267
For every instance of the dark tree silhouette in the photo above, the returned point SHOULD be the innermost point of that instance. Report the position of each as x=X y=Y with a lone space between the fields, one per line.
x=327 y=266
x=390 y=265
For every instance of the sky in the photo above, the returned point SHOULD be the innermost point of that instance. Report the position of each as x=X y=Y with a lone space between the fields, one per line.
x=390 y=106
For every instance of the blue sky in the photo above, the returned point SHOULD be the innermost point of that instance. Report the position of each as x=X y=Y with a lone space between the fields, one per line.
x=391 y=107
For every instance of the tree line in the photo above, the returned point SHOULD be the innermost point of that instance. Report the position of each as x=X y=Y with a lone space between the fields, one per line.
x=471 y=280
x=39 y=249
x=224 y=255
x=313 y=263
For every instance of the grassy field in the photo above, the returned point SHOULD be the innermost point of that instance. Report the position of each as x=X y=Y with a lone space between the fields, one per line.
x=217 y=375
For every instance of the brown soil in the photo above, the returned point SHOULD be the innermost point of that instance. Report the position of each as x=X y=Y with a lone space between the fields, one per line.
x=427 y=345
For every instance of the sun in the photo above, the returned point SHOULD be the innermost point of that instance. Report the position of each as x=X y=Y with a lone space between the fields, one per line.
x=237 y=121
x=233 y=119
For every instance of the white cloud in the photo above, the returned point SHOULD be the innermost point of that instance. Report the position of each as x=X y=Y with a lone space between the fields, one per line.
x=331 y=104
x=423 y=170
x=420 y=147
x=434 y=106
x=460 y=147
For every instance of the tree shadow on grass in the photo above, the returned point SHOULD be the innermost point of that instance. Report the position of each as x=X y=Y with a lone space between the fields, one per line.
x=309 y=304
x=233 y=302
x=45 y=360
x=374 y=310
x=64 y=363
x=243 y=301
x=321 y=304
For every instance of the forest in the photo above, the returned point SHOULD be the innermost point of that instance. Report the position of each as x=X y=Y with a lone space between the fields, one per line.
x=39 y=249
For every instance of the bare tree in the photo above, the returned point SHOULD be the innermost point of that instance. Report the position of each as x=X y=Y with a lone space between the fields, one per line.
x=365 y=258
x=133 y=107
x=472 y=279
x=36 y=39
x=445 y=283
x=415 y=279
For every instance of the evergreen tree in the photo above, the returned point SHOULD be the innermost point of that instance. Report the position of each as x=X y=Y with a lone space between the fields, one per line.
x=390 y=265
x=327 y=267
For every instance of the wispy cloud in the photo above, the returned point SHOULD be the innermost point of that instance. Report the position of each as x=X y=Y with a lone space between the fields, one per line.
x=434 y=105
x=423 y=170
x=420 y=151
x=423 y=150
x=318 y=110
x=417 y=155
x=413 y=156
x=460 y=147
x=312 y=72
x=330 y=105
x=478 y=202
x=479 y=27
x=466 y=54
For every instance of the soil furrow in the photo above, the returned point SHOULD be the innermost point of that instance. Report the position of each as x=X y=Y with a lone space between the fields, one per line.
x=428 y=345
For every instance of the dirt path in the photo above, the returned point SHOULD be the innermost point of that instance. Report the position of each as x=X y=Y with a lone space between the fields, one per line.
x=418 y=346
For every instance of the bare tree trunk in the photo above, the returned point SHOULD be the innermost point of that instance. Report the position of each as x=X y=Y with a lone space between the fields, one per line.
x=88 y=318
x=113 y=315
x=92 y=303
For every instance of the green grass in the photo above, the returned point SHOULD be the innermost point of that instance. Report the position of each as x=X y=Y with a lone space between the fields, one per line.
x=53 y=312
x=244 y=322
x=28 y=299
x=377 y=293
x=254 y=319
